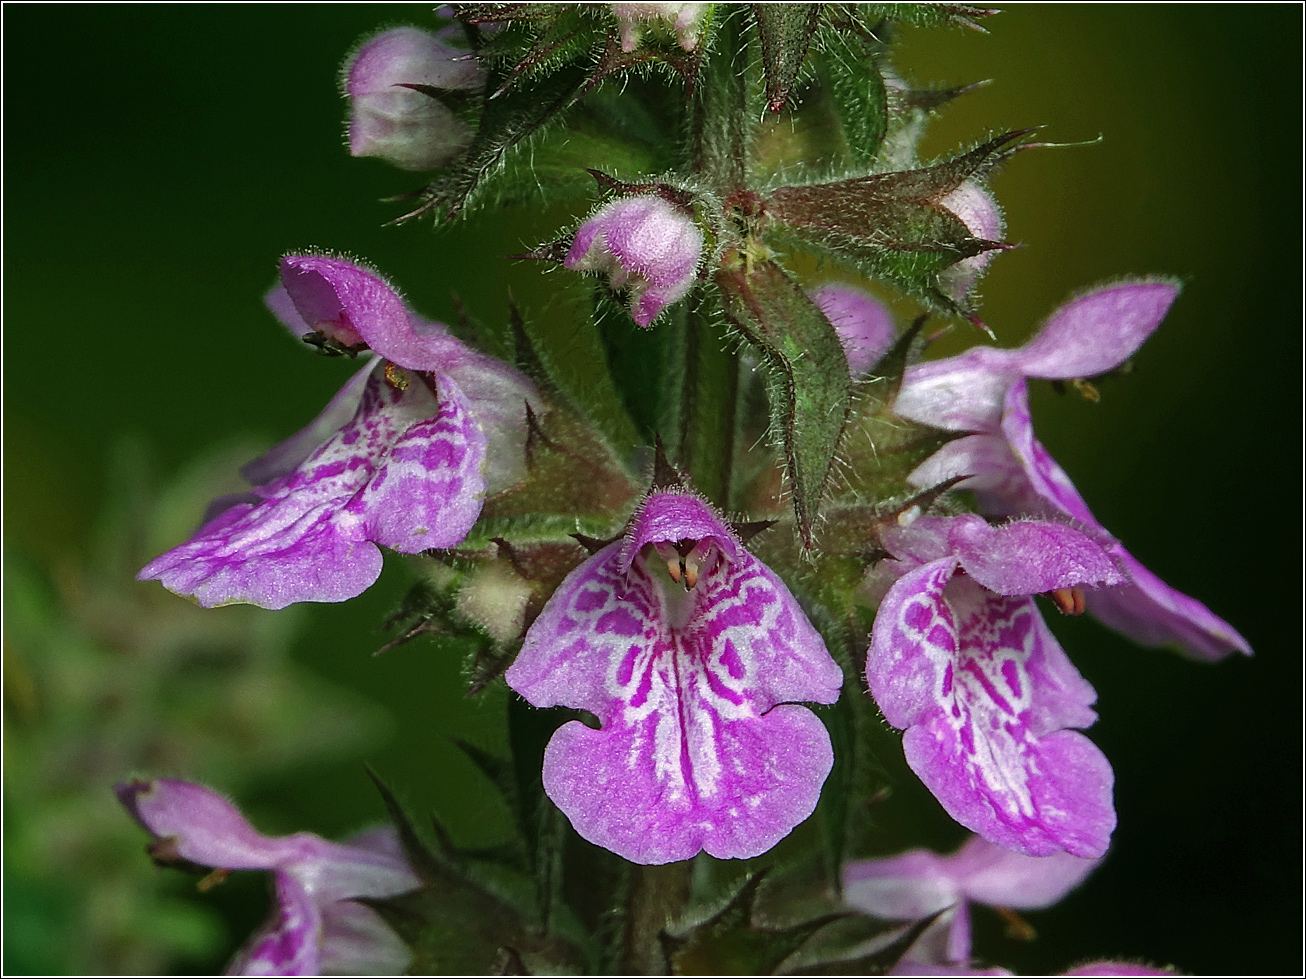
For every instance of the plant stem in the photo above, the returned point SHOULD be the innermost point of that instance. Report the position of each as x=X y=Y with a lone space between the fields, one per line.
x=709 y=382
x=656 y=898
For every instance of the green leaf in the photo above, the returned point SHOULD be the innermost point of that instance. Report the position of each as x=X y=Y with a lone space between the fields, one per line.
x=850 y=70
x=786 y=31
x=731 y=942
x=882 y=449
x=808 y=372
x=505 y=121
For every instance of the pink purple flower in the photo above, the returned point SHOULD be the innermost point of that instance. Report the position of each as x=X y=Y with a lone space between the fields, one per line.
x=646 y=246
x=962 y=660
x=983 y=391
x=407 y=126
x=318 y=924
x=919 y=883
x=693 y=656
x=864 y=324
x=402 y=457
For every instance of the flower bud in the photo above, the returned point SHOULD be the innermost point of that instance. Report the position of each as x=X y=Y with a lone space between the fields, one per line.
x=978 y=211
x=646 y=246
x=684 y=19
x=864 y=324
x=412 y=129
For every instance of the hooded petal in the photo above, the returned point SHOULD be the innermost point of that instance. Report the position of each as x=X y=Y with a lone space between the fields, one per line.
x=698 y=748
x=1084 y=337
x=1098 y=331
x=1029 y=557
x=204 y=828
x=985 y=693
x=405 y=473
x=1145 y=608
x=354 y=305
x=289 y=942
x=668 y=517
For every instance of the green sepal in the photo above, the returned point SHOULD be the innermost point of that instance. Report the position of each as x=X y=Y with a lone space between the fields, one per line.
x=569 y=471
x=506 y=120
x=455 y=924
x=882 y=449
x=785 y=31
x=733 y=942
x=808 y=373
x=841 y=950
x=891 y=225
x=866 y=16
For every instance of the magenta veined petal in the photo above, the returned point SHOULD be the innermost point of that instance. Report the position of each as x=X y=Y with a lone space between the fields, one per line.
x=1144 y=608
x=986 y=695
x=289 y=942
x=405 y=473
x=701 y=745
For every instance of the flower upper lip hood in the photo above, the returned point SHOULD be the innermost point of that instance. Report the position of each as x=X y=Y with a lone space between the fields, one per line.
x=961 y=659
x=317 y=924
x=691 y=653
x=402 y=457
x=984 y=391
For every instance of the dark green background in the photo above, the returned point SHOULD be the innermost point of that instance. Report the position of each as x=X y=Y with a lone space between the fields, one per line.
x=159 y=159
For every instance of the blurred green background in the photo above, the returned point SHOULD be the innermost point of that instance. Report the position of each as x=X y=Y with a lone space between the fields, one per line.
x=159 y=159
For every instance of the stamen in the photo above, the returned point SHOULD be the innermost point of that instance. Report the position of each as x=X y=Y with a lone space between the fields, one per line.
x=1070 y=601
x=212 y=880
x=695 y=560
x=396 y=377
x=671 y=556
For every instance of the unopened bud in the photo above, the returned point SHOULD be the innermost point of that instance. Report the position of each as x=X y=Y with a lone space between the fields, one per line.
x=412 y=129
x=864 y=324
x=646 y=246
x=978 y=211
x=494 y=598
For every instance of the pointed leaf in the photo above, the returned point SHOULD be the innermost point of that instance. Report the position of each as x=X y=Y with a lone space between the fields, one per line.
x=850 y=69
x=808 y=371
x=786 y=31
x=731 y=942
